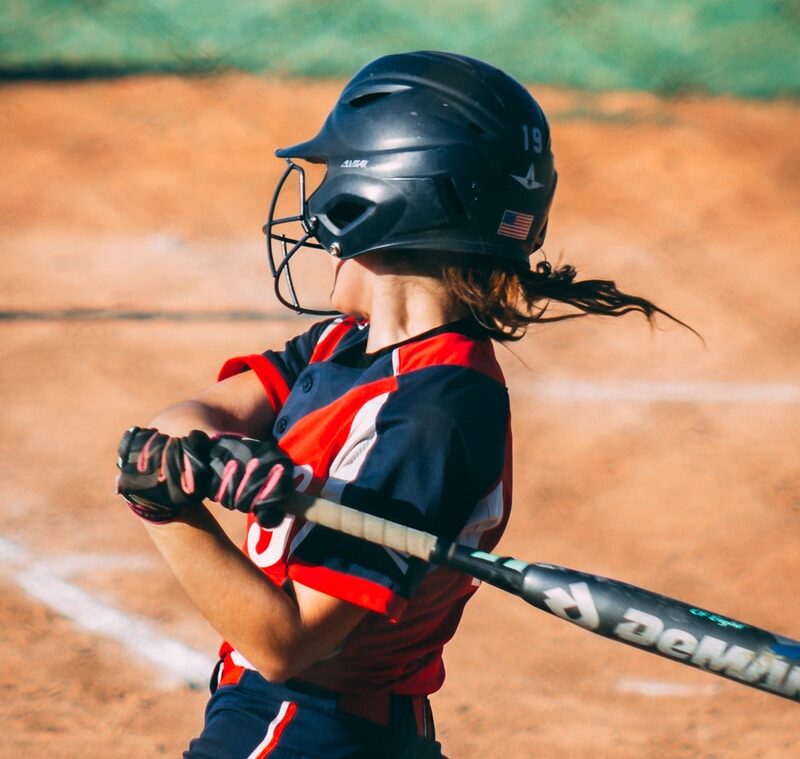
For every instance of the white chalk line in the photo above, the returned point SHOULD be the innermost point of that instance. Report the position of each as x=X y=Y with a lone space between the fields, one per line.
x=70 y=565
x=644 y=391
x=44 y=581
x=664 y=689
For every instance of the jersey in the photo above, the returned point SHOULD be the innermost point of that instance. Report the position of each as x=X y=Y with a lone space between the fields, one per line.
x=418 y=433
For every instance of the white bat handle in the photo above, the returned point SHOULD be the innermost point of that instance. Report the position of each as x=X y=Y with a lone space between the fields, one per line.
x=360 y=525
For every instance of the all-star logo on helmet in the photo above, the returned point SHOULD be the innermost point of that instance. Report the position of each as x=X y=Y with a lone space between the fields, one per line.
x=445 y=145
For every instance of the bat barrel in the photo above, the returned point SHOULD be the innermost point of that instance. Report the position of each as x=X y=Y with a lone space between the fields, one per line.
x=664 y=626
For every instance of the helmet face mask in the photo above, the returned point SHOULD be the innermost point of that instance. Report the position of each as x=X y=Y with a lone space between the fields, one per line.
x=282 y=246
x=426 y=153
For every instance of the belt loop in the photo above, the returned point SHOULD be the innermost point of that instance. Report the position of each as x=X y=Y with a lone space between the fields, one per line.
x=213 y=682
x=228 y=672
x=423 y=716
x=430 y=725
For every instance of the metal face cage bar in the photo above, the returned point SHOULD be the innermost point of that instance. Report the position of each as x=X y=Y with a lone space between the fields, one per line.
x=290 y=245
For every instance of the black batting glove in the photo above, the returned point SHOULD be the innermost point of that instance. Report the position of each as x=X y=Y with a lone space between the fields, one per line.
x=159 y=474
x=250 y=475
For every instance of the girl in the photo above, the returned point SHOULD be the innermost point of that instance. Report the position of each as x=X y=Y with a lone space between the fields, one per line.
x=439 y=180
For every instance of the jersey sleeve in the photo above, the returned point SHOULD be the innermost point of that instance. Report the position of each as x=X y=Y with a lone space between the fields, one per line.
x=298 y=351
x=278 y=370
x=434 y=449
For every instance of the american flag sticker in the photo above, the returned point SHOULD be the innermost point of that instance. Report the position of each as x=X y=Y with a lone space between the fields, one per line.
x=514 y=224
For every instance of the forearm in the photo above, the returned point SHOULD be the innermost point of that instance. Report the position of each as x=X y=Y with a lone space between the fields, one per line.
x=237 y=404
x=258 y=618
x=181 y=418
x=279 y=634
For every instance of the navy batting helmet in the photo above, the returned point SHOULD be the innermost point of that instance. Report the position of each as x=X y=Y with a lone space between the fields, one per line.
x=425 y=152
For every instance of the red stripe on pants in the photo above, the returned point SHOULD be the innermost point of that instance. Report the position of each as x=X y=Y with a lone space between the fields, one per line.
x=274 y=732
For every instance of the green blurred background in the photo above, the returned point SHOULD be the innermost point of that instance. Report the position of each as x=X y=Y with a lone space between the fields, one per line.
x=744 y=47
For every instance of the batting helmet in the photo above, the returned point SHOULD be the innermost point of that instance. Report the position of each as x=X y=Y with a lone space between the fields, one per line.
x=425 y=152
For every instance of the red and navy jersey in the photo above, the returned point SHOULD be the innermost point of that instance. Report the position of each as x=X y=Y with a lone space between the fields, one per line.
x=417 y=433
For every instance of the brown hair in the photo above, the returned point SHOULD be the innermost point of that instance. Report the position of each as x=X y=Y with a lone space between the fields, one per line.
x=505 y=302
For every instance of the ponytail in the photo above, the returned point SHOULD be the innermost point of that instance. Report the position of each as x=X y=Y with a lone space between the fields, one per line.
x=506 y=302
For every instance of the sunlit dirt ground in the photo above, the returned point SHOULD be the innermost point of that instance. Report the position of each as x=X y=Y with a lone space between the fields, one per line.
x=148 y=194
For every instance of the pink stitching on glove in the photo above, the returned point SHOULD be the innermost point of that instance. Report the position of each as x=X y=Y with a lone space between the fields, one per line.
x=163 y=474
x=272 y=482
x=187 y=475
x=144 y=454
x=227 y=473
x=248 y=470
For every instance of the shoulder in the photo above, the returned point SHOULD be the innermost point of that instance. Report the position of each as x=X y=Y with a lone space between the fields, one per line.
x=455 y=350
x=450 y=372
x=450 y=402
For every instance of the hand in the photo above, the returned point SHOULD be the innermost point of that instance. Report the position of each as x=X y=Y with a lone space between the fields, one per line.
x=159 y=475
x=250 y=475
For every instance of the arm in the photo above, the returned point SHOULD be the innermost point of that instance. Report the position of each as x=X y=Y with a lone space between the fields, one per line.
x=279 y=635
x=237 y=404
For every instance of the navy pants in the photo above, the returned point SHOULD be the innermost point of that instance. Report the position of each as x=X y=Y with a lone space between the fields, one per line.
x=255 y=718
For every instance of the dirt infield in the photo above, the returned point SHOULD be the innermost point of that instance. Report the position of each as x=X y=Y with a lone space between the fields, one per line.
x=639 y=454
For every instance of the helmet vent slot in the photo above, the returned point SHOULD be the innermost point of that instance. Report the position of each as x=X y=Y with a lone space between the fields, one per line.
x=370 y=97
x=345 y=212
x=476 y=127
x=451 y=200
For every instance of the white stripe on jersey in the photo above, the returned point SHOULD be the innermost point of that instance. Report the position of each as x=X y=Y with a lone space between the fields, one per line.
x=301 y=536
x=348 y=462
x=488 y=513
x=240 y=661
x=351 y=456
x=398 y=558
x=332 y=326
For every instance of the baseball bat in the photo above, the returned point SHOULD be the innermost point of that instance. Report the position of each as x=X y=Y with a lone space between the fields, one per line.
x=626 y=613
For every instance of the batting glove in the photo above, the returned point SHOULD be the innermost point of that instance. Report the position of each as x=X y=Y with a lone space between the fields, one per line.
x=159 y=474
x=250 y=475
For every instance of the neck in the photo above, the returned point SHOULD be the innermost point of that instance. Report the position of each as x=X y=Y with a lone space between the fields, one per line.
x=404 y=306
